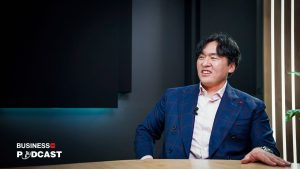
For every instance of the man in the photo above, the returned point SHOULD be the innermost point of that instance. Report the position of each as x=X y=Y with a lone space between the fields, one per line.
x=212 y=119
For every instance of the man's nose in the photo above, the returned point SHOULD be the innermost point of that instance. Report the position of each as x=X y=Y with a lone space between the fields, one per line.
x=206 y=61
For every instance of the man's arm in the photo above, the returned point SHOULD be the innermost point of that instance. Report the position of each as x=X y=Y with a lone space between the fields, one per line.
x=150 y=130
x=264 y=146
x=258 y=154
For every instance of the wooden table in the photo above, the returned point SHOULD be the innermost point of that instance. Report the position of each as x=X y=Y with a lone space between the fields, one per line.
x=162 y=164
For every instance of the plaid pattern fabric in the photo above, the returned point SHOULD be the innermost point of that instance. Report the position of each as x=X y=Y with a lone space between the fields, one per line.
x=241 y=124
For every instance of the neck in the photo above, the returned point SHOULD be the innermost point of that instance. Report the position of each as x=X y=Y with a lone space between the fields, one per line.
x=213 y=88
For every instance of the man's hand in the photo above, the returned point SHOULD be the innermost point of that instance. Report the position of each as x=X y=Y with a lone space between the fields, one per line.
x=258 y=154
x=147 y=157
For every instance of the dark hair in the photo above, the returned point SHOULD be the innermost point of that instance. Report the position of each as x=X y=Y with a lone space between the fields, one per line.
x=226 y=47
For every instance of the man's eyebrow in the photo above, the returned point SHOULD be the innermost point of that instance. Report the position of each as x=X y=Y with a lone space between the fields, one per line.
x=209 y=53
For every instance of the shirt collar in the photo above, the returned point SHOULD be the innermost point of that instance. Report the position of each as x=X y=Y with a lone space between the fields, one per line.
x=216 y=96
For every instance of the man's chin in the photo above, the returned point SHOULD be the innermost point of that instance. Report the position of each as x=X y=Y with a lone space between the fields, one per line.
x=206 y=83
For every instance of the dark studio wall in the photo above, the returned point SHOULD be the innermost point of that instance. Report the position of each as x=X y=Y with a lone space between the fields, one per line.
x=65 y=54
x=107 y=134
x=164 y=33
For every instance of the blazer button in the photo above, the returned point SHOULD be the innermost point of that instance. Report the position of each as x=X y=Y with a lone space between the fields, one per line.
x=174 y=127
x=233 y=137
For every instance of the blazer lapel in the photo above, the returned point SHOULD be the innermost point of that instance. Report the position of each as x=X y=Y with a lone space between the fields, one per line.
x=187 y=116
x=226 y=115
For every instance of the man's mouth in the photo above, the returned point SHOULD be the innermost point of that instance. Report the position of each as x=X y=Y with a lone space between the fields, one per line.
x=206 y=72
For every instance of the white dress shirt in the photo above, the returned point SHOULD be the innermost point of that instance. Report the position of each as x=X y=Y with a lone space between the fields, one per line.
x=207 y=108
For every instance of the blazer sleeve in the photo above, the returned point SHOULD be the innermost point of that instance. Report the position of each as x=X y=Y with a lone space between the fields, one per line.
x=151 y=129
x=261 y=132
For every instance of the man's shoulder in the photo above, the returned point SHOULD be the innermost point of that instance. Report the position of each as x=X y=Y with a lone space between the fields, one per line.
x=184 y=89
x=247 y=97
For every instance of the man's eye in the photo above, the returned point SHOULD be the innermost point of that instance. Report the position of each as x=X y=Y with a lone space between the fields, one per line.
x=201 y=57
x=214 y=57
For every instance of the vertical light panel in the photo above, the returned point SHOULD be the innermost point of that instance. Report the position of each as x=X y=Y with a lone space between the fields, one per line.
x=293 y=79
x=273 y=68
x=281 y=131
x=283 y=106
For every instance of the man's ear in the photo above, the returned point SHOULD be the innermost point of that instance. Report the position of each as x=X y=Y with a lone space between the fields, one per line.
x=231 y=68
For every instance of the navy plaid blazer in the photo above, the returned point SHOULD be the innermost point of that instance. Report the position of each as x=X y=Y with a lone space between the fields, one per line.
x=240 y=125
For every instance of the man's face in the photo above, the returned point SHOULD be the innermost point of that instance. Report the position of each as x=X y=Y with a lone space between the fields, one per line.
x=213 y=69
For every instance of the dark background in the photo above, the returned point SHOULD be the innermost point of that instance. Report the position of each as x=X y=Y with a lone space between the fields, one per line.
x=162 y=39
x=66 y=54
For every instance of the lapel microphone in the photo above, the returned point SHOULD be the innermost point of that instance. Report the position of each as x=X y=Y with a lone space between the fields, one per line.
x=195 y=110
